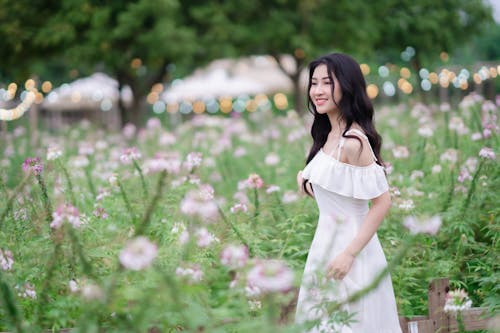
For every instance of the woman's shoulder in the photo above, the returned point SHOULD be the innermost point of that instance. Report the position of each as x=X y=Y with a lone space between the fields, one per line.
x=357 y=147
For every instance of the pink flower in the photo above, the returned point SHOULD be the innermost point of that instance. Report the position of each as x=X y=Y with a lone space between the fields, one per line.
x=234 y=256
x=193 y=160
x=153 y=123
x=388 y=168
x=273 y=188
x=450 y=155
x=428 y=226
x=272 y=159
x=240 y=151
x=289 y=197
x=254 y=181
x=239 y=207
x=129 y=131
x=6 y=260
x=271 y=276
x=130 y=154
x=85 y=148
x=464 y=175
x=33 y=165
x=68 y=213
x=487 y=153
x=205 y=238
x=26 y=291
x=400 y=152
x=100 y=213
x=190 y=272
x=168 y=162
x=138 y=254
x=199 y=203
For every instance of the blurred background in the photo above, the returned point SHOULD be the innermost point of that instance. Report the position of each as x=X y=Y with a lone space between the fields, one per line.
x=118 y=62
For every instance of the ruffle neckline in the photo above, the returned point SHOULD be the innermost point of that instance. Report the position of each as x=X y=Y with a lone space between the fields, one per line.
x=360 y=182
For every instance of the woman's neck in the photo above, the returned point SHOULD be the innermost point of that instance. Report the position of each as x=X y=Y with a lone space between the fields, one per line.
x=338 y=125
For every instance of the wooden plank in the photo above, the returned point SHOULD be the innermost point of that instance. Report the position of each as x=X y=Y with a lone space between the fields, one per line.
x=473 y=320
x=403 y=321
x=437 y=298
x=421 y=326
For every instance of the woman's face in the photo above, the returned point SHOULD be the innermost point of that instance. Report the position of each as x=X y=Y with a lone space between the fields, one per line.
x=321 y=91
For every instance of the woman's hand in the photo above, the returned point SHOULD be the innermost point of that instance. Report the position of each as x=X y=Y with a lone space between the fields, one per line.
x=300 y=180
x=340 y=266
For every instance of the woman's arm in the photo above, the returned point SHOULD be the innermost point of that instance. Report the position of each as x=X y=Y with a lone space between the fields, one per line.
x=341 y=264
x=380 y=207
x=300 y=182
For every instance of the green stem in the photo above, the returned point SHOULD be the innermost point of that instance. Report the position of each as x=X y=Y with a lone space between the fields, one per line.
x=88 y=175
x=125 y=199
x=46 y=199
x=8 y=301
x=143 y=181
x=460 y=322
x=51 y=267
x=10 y=200
x=450 y=192
x=141 y=228
x=256 y=206
x=236 y=231
x=290 y=231
x=87 y=267
x=68 y=180
x=472 y=188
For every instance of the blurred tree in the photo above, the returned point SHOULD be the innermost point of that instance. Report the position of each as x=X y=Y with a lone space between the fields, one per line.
x=31 y=31
x=430 y=26
x=135 y=42
x=300 y=28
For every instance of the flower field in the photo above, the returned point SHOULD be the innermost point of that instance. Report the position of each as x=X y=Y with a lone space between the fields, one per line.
x=200 y=228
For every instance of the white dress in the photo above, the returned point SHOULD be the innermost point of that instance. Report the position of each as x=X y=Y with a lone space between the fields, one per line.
x=342 y=192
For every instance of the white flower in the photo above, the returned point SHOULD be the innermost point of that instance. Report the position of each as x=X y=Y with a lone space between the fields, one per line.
x=138 y=254
x=428 y=226
x=6 y=260
x=53 y=153
x=191 y=273
x=436 y=168
x=273 y=188
x=487 y=153
x=91 y=292
x=457 y=300
x=425 y=131
x=239 y=207
x=73 y=286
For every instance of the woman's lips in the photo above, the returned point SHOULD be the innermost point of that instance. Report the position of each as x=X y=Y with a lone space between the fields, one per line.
x=320 y=101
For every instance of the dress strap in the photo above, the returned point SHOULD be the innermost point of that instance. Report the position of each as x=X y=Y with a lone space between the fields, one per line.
x=339 y=148
x=363 y=135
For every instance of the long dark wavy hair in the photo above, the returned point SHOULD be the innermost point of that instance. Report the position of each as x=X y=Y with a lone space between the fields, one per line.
x=355 y=105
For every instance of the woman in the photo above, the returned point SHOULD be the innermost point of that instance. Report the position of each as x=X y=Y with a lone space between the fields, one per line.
x=343 y=173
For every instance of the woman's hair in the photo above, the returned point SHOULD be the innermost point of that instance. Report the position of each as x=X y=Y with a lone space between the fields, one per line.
x=355 y=105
